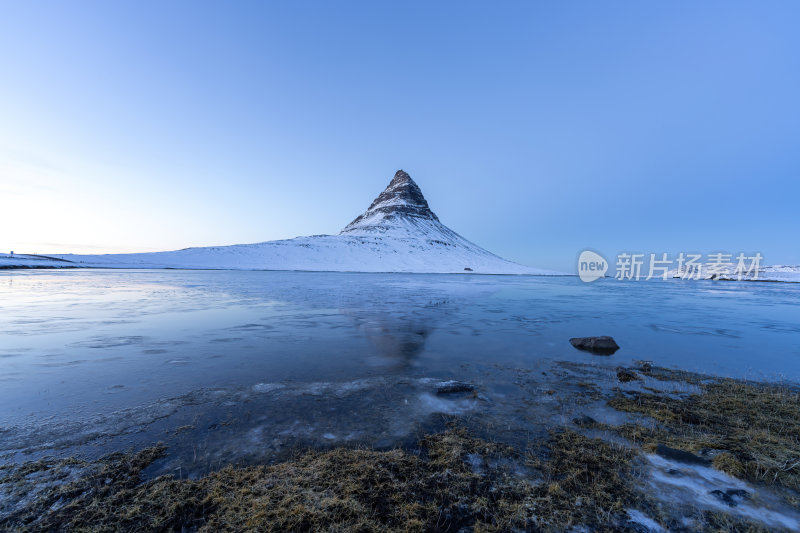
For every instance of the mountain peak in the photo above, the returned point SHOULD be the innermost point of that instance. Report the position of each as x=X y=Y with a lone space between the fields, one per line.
x=402 y=180
x=402 y=198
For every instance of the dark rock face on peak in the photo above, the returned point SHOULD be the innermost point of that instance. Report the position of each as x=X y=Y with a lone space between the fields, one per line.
x=402 y=197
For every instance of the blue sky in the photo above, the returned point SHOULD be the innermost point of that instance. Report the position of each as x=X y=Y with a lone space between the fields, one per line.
x=534 y=129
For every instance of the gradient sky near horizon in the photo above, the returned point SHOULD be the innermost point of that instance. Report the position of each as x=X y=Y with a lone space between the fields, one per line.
x=534 y=129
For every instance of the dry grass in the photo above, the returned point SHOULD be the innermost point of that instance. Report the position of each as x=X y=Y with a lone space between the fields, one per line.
x=585 y=482
x=453 y=482
x=753 y=427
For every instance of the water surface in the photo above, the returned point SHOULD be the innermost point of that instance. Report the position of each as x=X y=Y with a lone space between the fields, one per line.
x=238 y=366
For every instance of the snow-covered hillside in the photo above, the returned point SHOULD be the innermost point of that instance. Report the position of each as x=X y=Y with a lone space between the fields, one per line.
x=398 y=233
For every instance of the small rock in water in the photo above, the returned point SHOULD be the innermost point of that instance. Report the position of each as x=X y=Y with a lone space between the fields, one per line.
x=738 y=493
x=624 y=375
x=597 y=345
x=680 y=455
x=448 y=387
x=731 y=497
x=724 y=497
x=584 y=421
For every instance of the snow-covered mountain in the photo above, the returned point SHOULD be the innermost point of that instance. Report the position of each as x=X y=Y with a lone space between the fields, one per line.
x=398 y=233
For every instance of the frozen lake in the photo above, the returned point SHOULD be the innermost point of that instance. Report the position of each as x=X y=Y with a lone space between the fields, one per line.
x=240 y=366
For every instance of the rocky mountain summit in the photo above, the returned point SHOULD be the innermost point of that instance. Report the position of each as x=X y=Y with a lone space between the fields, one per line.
x=402 y=213
x=401 y=199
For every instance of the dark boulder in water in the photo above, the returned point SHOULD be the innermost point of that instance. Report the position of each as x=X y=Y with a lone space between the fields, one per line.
x=680 y=455
x=603 y=345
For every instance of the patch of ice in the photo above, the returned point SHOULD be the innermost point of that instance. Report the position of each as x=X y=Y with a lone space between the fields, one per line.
x=693 y=483
x=643 y=520
x=475 y=462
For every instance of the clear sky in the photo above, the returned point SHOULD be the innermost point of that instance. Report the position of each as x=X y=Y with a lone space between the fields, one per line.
x=535 y=129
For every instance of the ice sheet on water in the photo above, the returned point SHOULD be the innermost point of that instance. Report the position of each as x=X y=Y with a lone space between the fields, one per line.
x=428 y=403
x=319 y=388
x=268 y=387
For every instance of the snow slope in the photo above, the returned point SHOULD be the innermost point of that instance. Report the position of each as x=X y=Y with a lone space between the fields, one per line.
x=322 y=252
x=398 y=233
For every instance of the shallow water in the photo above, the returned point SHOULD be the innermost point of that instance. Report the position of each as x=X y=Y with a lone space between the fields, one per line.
x=249 y=363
